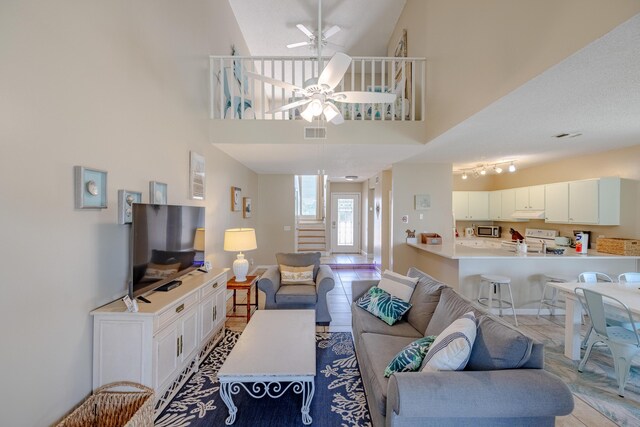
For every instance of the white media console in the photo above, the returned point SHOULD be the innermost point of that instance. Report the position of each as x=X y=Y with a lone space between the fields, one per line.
x=165 y=341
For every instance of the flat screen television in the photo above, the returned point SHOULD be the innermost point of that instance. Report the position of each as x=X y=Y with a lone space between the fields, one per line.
x=162 y=244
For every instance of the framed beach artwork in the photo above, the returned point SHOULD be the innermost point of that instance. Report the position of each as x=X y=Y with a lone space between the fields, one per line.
x=402 y=77
x=247 y=207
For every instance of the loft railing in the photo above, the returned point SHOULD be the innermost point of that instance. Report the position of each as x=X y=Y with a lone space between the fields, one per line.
x=235 y=95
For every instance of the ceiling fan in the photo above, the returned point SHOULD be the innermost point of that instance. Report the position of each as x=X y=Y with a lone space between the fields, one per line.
x=318 y=93
x=319 y=39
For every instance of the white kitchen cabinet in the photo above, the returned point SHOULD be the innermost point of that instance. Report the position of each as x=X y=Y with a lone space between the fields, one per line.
x=557 y=202
x=589 y=201
x=471 y=205
x=508 y=204
x=161 y=344
x=530 y=198
x=495 y=205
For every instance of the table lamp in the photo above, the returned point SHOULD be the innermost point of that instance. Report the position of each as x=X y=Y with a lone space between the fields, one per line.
x=238 y=240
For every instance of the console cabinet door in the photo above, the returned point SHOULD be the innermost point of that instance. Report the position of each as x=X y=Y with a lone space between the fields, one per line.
x=207 y=316
x=220 y=310
x=190 y=338
x=166 y=354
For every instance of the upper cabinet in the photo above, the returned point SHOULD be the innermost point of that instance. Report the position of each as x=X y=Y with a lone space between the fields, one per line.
x=495 y=205
x=502 y=205
x=471 y=205
x=530 y=198
x=589 y=201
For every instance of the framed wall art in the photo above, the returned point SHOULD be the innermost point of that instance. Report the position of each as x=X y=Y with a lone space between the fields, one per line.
x=422 y=201
x=247 y=207
x=90 y=188
x=157 y=193
x=402 y=77
x=126 y=199
x=196 y=176
x=236 y=199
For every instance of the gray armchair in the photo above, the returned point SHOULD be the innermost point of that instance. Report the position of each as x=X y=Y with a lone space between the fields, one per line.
x=279 y=296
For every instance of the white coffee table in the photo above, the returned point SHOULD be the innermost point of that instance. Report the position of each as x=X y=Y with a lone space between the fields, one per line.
x=277 y=346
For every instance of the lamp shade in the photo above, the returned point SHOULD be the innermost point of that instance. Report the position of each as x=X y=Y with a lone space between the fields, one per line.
x=240 y=239
x=198 y=240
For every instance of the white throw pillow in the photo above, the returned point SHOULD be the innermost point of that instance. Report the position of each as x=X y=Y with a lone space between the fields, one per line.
x=398 y=285
x=452 y=348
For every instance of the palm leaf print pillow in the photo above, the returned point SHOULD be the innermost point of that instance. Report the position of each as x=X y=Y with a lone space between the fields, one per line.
x=384 y=306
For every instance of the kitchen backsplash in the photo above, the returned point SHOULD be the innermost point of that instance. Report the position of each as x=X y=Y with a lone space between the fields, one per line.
x=564 y=229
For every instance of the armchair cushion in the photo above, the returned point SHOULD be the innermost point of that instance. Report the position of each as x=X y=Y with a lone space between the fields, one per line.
x=300 y=260
x=296 y=294
x=296 y=275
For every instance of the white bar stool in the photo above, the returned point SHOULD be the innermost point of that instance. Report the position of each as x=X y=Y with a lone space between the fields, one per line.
x=494 y=284
x=552 y=302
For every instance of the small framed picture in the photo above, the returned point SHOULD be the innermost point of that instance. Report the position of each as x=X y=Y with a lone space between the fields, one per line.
x=422 y=201
x=157 y=193
x=196 y=176
x=247 y=208
x=126 y=199
x=236 y=199
x=90 y=188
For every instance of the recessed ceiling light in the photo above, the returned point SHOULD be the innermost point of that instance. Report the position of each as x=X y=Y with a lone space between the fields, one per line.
x=351 y=177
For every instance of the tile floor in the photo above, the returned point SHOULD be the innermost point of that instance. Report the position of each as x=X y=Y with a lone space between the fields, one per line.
x=339 y=301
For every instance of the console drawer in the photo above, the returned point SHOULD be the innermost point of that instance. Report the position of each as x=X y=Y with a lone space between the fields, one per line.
x=213 y=285
x=175 y=310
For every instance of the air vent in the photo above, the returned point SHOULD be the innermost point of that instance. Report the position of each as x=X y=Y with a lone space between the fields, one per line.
x=315 y=133
x=568 y=135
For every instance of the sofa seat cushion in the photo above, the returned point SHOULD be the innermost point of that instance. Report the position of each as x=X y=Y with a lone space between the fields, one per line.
x=375 y=353
x=498 y=346
x=363 y=321
x=296 y=294
x=424 y=299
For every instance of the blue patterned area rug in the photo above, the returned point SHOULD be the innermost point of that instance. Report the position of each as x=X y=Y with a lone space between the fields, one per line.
x=597 y=384
x=339 y=398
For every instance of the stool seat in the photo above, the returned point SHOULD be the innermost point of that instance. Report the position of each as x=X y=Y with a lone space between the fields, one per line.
x=495 y=278
x=493 y=284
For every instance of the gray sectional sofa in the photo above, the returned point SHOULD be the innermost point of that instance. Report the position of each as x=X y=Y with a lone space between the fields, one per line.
x=504 y=383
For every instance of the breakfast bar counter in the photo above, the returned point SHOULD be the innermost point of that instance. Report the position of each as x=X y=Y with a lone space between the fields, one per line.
x=461 y=265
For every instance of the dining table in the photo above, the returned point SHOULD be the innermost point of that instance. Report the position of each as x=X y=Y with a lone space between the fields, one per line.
x=627 y=293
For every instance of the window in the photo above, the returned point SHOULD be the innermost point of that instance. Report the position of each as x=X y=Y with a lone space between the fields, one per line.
x=309 y=196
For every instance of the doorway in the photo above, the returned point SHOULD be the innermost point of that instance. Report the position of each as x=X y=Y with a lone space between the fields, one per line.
x=345 y=223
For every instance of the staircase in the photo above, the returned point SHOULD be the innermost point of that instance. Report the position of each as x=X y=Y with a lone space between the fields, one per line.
x=311 y=237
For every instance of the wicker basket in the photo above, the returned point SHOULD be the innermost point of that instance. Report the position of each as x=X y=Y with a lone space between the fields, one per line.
x=106 y=408
x=610 y=245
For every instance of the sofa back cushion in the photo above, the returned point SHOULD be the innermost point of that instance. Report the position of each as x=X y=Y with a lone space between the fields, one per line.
x=498 y=346
x=424 y=299
x=300 y=260
x=451 y=307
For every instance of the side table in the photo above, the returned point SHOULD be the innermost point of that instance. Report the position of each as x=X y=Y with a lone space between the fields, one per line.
x=243 y=286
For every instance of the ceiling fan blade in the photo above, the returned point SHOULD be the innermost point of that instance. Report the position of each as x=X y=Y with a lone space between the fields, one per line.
x=289 y=106
x=358 y=97
x=274 y=82
x=338 y=119
x=305 y=30
x=331 y=31
x=292 y=45
x=335 y=69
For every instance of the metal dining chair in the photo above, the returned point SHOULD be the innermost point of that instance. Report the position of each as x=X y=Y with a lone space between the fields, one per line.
x=629 y=278
x=591 y=277
x=623 y=343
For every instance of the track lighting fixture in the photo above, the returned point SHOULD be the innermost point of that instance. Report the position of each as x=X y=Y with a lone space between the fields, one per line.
x=484 y=169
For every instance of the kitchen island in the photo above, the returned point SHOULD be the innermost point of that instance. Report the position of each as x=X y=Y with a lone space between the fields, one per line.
x=460 y=265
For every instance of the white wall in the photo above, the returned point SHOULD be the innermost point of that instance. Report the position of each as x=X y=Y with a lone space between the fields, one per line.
x=410 y=179
x=276 y=211
x=114 y=85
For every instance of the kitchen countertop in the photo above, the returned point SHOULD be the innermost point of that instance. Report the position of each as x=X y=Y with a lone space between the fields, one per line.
x=449 y=249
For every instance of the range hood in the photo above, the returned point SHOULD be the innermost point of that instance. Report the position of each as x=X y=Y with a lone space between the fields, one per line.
x=531 y=214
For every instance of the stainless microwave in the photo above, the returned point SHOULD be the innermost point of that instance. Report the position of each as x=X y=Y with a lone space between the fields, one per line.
x=488 y=231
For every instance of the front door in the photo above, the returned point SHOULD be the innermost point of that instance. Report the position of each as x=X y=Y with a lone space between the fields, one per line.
x=345 y=223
